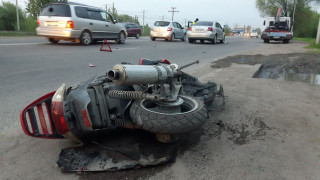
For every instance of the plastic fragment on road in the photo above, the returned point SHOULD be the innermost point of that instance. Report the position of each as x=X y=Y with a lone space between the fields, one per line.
x=105 y=42
x=92 y=65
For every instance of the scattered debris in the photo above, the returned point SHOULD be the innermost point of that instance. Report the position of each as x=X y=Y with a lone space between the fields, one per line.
x=92 y=65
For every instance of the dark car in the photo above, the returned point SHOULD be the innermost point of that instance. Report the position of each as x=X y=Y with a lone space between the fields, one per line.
x=133 y=29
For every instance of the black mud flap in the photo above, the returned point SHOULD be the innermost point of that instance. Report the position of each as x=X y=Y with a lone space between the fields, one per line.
x=121 y=150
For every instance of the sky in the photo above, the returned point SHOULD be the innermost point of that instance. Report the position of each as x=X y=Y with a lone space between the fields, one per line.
x=231 y=12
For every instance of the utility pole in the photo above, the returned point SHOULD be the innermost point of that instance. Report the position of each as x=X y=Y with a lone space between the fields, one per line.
x=173 y=11
x=294 y=12
x=143 y=12
x=17 y=9
x=318 y=34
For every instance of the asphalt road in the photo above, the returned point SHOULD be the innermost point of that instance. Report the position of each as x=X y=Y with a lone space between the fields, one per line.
x=31 y=66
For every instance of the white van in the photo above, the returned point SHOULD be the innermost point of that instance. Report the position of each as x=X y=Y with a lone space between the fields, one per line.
x=78 y=23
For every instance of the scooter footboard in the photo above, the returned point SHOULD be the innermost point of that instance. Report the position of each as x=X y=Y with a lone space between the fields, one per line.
x=36 y=119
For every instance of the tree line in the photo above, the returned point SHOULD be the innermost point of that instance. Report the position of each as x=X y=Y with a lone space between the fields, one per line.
x=306 y=20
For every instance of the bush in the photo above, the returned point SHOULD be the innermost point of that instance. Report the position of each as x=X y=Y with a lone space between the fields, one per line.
x=28 y=25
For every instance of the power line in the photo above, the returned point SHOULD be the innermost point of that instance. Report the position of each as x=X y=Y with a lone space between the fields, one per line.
x=173 y=11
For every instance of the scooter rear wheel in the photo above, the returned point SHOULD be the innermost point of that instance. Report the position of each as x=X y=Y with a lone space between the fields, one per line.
x=146 y=115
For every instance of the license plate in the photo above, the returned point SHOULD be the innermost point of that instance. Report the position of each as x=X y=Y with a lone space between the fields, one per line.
x=199 y=30
x=276 y=37
x=277 y=34
x=51 y=23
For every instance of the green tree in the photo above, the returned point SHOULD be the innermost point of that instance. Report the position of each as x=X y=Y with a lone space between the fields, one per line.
x=28 y=24
x=146 y=30
x=113 y=11
x=258 y=31
x=122 y=17
x=34 y=7
x=227 y=29
x=8 y=16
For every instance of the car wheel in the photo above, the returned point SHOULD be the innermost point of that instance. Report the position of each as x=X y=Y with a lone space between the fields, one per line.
x=121 y=38
x=223 y=40
x=214 y=40
x=137 y=36
x=85 y=38
x=172 y=37
x=285 y=41
x=266 y=41
x=153 y=39
x=54 y=41
x=202 y=41
x=191 y=40
x=184 y=38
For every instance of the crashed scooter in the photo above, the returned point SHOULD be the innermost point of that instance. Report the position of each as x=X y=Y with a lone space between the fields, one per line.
x=155 y=96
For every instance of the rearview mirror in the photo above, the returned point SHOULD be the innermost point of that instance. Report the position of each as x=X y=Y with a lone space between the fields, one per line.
x=115 y=21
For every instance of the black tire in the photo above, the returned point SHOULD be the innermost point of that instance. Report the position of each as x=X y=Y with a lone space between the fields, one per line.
x=266 y=40
x=121 y=38
x=184 y=38
x=223 y=40
x=214 y=40
x=153 y=39
x=164 y=123
x=201 y=41
x=137 y=36
x=172 y=37
x=191 y=41
x=285 y=41
x=54 y=41
x=85 y=38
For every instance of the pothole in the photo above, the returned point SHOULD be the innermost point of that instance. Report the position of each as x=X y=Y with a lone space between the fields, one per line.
x=288 y=72
x=300 y=67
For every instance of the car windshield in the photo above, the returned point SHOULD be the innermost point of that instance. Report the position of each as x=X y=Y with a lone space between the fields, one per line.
x=61 y=10
x=204 y=23
x=161 y=23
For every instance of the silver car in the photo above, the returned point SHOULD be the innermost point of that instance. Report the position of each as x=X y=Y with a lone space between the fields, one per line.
x=168 y=31
x=78 y=23
x=206 y=30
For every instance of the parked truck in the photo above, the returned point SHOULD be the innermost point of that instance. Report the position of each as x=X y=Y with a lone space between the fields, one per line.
x=278 y=29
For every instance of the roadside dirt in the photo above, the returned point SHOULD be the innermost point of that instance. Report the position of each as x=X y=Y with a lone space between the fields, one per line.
x=268 y=130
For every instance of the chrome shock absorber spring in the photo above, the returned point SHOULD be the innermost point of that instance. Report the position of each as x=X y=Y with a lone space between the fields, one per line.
x=139 y=95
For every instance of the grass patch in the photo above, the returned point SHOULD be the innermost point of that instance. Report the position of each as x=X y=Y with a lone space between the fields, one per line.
x=16 y=33
x=312 y=44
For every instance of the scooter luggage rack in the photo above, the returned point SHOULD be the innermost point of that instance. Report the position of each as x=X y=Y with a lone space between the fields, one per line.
x=36 y=114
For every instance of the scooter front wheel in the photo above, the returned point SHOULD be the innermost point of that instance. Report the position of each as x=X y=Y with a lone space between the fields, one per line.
x=150 y=117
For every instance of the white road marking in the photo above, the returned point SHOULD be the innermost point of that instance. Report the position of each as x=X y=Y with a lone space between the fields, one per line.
x=20 y=44
x=124 y=49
